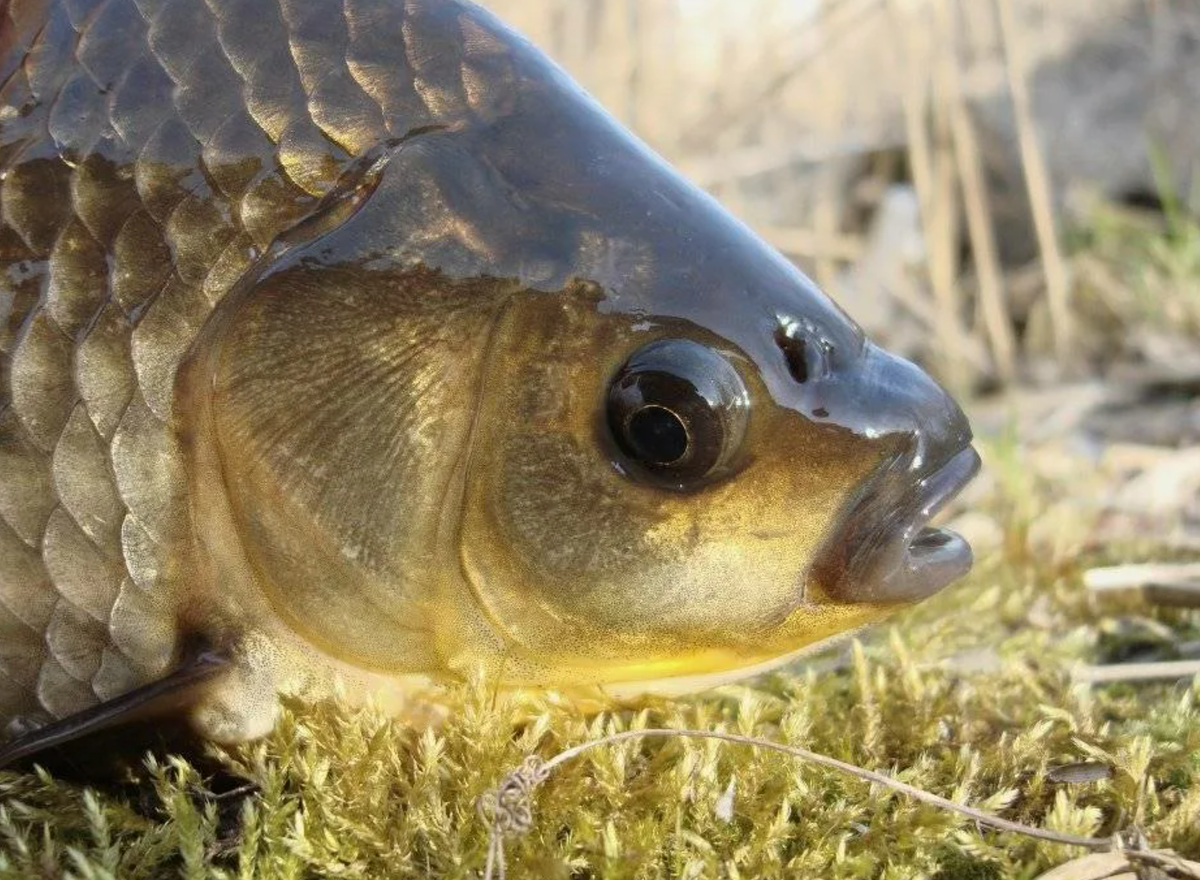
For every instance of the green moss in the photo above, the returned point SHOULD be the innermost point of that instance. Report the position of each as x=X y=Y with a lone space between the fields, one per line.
x=955 y=865
x=963 y=696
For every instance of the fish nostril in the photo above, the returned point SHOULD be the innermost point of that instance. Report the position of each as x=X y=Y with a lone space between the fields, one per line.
x=795 y=353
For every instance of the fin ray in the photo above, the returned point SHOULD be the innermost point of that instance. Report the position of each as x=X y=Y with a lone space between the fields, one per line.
x=162 y=697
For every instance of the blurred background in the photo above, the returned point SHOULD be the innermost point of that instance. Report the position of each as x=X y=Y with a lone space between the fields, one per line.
x=929 y=161
x=1003 y=190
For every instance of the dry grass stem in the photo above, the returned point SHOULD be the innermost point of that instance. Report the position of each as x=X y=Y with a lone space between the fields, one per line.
x=1038 y=183
x=508 y=809
x=1123 y=577
x=1115 y=672
x=932 y=191
x=996 y=317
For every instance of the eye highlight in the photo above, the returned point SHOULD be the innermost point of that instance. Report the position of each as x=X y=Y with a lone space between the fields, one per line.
x=677 y=412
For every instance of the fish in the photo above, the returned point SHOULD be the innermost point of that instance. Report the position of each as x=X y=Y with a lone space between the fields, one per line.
x=350 y=346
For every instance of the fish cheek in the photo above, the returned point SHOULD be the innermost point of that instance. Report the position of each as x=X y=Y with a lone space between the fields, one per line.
x=585 y=568
x=554 y=540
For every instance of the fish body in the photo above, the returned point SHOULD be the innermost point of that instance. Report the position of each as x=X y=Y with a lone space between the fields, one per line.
x=354 y=342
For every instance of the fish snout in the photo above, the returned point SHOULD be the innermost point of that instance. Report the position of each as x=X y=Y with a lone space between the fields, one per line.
x=898 y=396
x=885 y=551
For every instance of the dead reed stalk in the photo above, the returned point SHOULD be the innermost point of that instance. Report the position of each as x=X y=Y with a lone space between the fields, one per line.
x=1037 y=182
x=934 y=187
x=996 y=317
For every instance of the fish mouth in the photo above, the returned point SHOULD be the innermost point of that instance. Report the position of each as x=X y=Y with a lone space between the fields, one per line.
x=886 y=552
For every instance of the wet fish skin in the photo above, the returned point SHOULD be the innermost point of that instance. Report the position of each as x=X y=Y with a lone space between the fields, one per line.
x=151 y=151
x=306 y=313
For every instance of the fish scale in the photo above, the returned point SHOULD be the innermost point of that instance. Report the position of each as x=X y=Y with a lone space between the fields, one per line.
x=126 y=219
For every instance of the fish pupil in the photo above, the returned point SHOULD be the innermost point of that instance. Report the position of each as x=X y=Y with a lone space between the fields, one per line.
x=658 y=436
x=676 y=415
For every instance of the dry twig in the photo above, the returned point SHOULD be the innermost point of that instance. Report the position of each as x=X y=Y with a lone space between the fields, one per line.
x=1038 y=184
x=1114 y=672
x=1125 y=577
x=996 y=317
x=938 y=215
x=508 y=809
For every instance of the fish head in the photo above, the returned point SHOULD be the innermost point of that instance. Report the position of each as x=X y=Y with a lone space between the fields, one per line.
x=536 y=402
x=690 y=462
x=686 y=460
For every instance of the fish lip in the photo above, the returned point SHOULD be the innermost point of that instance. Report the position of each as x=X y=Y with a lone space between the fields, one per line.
x=887 y=552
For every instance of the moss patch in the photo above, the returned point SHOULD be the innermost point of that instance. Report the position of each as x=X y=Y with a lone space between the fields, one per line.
x=968 y=696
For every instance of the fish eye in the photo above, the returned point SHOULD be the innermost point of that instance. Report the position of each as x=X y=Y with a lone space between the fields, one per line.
x=677 y=411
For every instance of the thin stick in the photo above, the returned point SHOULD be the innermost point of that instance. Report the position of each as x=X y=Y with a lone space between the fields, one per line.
x=1168 y=670
x=914 y=100
x=1037 y=181
x=1118 y=577
x=975 y=197
x=1096 y=843
x=508 y=809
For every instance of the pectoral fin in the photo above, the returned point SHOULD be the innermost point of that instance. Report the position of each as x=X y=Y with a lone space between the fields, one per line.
x=168 y=696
